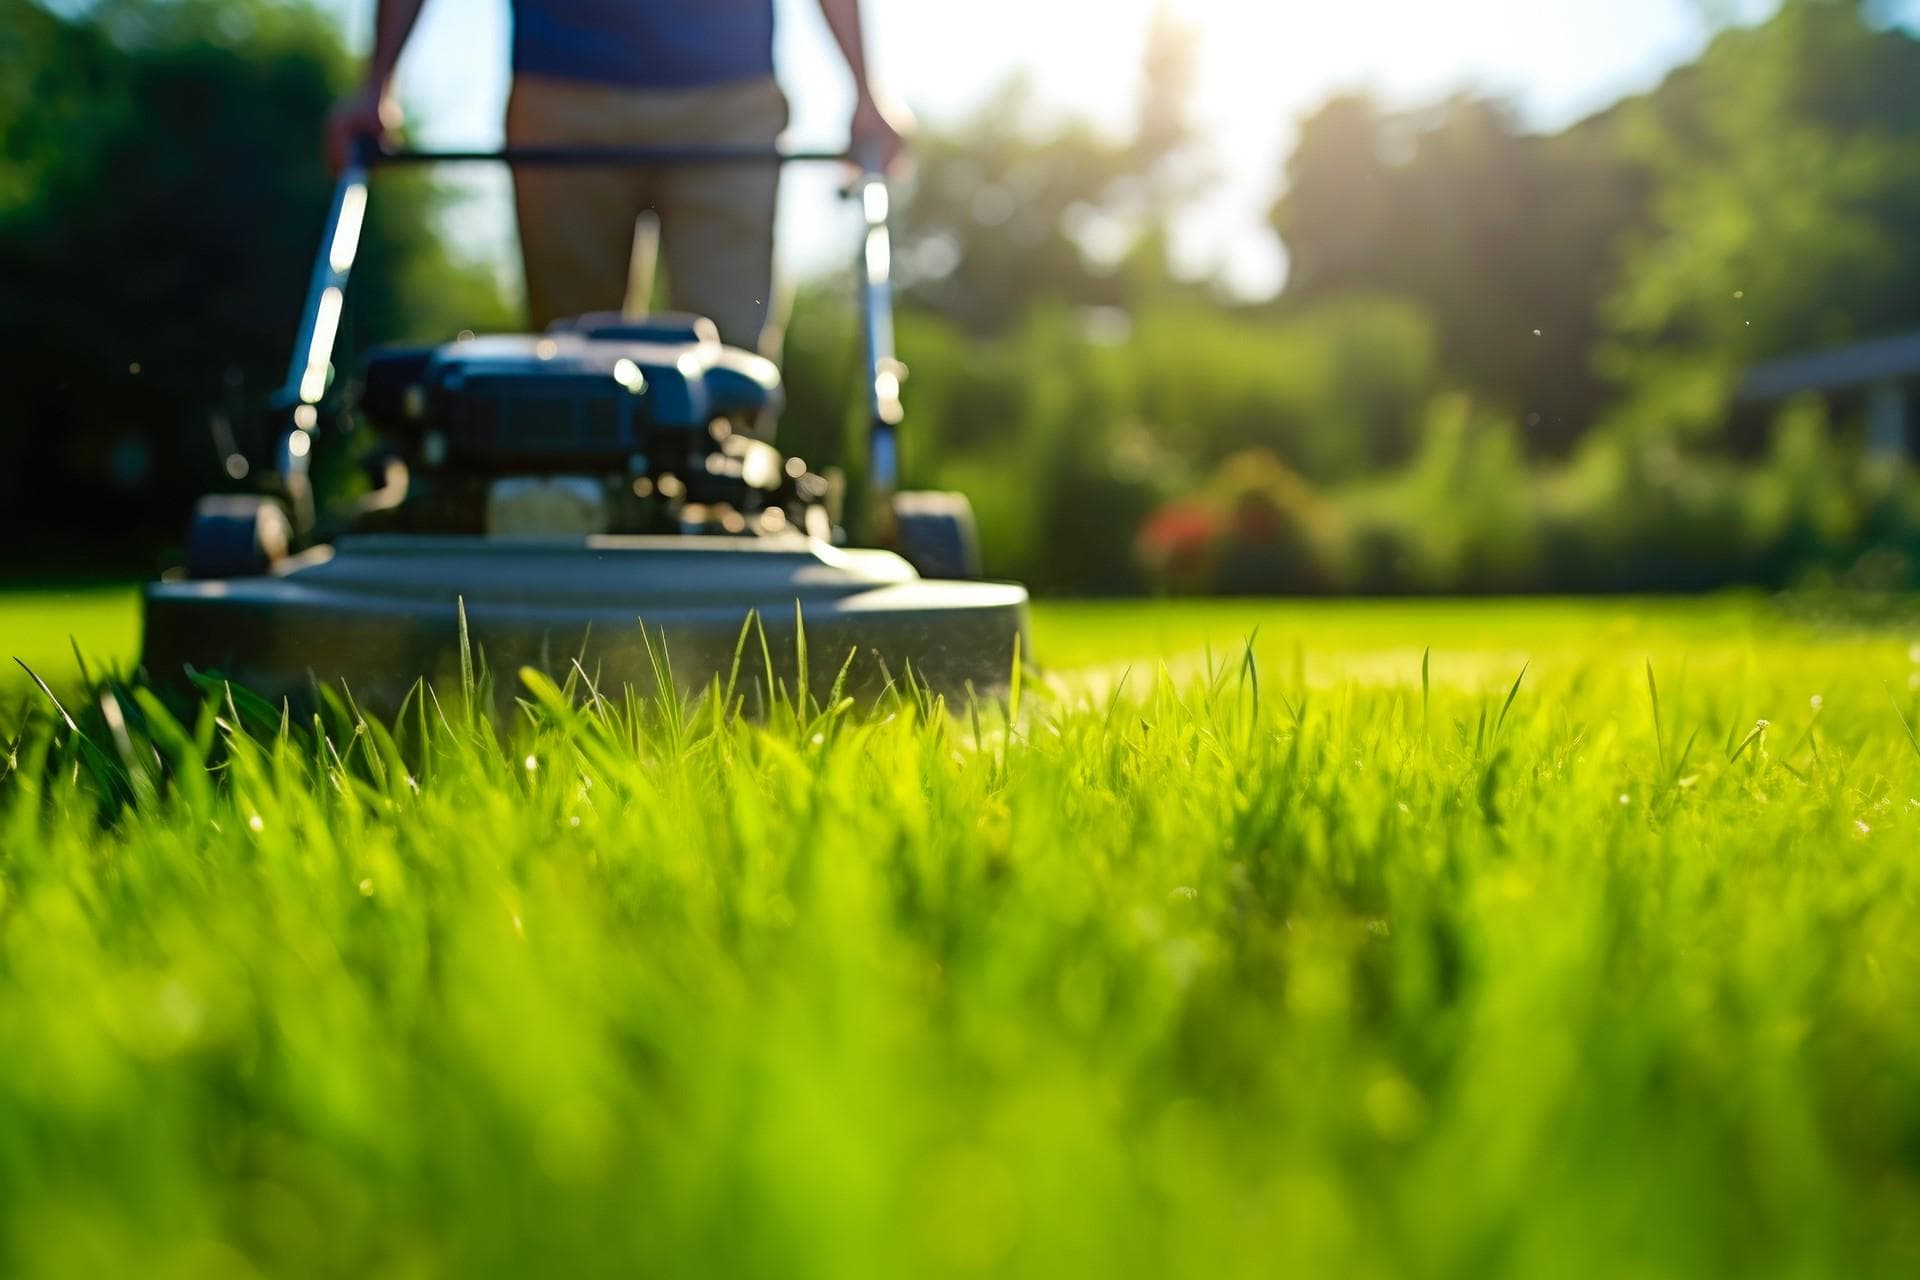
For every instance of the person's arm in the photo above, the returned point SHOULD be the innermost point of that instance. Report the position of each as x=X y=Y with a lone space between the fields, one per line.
x=875 y=136
x=370 y=111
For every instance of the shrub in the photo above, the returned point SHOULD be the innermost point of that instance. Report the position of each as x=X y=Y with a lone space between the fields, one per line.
x=1193 y=450
x=1257 y=529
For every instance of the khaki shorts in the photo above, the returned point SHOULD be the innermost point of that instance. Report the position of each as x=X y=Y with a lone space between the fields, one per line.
x=577 y=227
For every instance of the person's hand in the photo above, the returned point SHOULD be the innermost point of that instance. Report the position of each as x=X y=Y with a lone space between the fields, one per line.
x=878 y=134
x=367 y=113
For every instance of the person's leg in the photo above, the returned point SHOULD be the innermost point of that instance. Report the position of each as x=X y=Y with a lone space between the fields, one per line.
x=576 y=226
x=716 y=224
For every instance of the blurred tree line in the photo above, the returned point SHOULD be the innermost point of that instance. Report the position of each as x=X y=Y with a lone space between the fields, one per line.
x=161 y=192
x=1503 y=359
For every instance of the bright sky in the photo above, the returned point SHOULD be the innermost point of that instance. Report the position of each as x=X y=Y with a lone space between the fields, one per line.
x=1263 y=63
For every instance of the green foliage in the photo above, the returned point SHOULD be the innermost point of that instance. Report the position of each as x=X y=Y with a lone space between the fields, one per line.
x=1626 y=513
x=1506 y=239
x=1070 y=430
x=1503 y=361
x=1336 y=389
x=1786 y=192
x=1330 y=959
x=987 y=228
x=1462 y=514
x=160 y=203
x=1274 y=529
x=1010 y=210
x=1626 y=270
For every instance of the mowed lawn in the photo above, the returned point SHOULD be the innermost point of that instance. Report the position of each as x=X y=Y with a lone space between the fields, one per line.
x=42 y=627
x=46 y=627
x=1357 y=953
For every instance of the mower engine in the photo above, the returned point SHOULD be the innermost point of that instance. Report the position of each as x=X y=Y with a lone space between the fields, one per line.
x=604 y=424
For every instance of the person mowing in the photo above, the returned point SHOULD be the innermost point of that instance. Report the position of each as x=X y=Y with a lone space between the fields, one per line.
x=640 y=73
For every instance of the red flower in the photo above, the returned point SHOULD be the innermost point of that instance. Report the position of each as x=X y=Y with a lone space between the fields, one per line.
x=1177 y=538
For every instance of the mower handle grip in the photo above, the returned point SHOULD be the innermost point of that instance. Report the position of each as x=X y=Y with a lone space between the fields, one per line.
x=307 y=376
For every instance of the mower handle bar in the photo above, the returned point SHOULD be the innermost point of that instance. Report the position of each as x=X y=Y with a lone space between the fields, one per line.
x=376 y=157
x=307 y=376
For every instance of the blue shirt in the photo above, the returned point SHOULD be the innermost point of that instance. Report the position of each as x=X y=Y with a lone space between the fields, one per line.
x=644 y=44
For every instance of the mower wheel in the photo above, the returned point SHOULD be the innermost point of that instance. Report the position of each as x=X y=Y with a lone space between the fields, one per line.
x=236 y=535
x=936 y=534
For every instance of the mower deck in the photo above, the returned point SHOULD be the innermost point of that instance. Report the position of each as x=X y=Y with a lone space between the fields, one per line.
x=381 y=611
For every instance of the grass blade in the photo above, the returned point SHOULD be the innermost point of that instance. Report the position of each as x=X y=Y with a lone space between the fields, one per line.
x=1659 y=731
x=466 y=652
x=1511 y=695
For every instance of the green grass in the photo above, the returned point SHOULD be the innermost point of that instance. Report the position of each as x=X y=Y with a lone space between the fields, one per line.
x=1315 y=965
x=42 y=627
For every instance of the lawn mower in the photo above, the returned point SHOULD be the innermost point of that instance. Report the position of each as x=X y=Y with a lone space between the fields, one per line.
x=606 y=492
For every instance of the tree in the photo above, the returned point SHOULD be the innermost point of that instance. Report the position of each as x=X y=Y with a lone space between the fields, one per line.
x=1508 y=239
x=1788 y=189
x=160 y=200
x=1756 y=203
x=1008 y=209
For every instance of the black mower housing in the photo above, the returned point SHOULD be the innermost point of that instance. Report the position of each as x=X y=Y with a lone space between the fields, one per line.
x=592 y=394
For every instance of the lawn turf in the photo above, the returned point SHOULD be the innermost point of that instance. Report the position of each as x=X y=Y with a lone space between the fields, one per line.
x=1349 y=960
x=43 y=626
